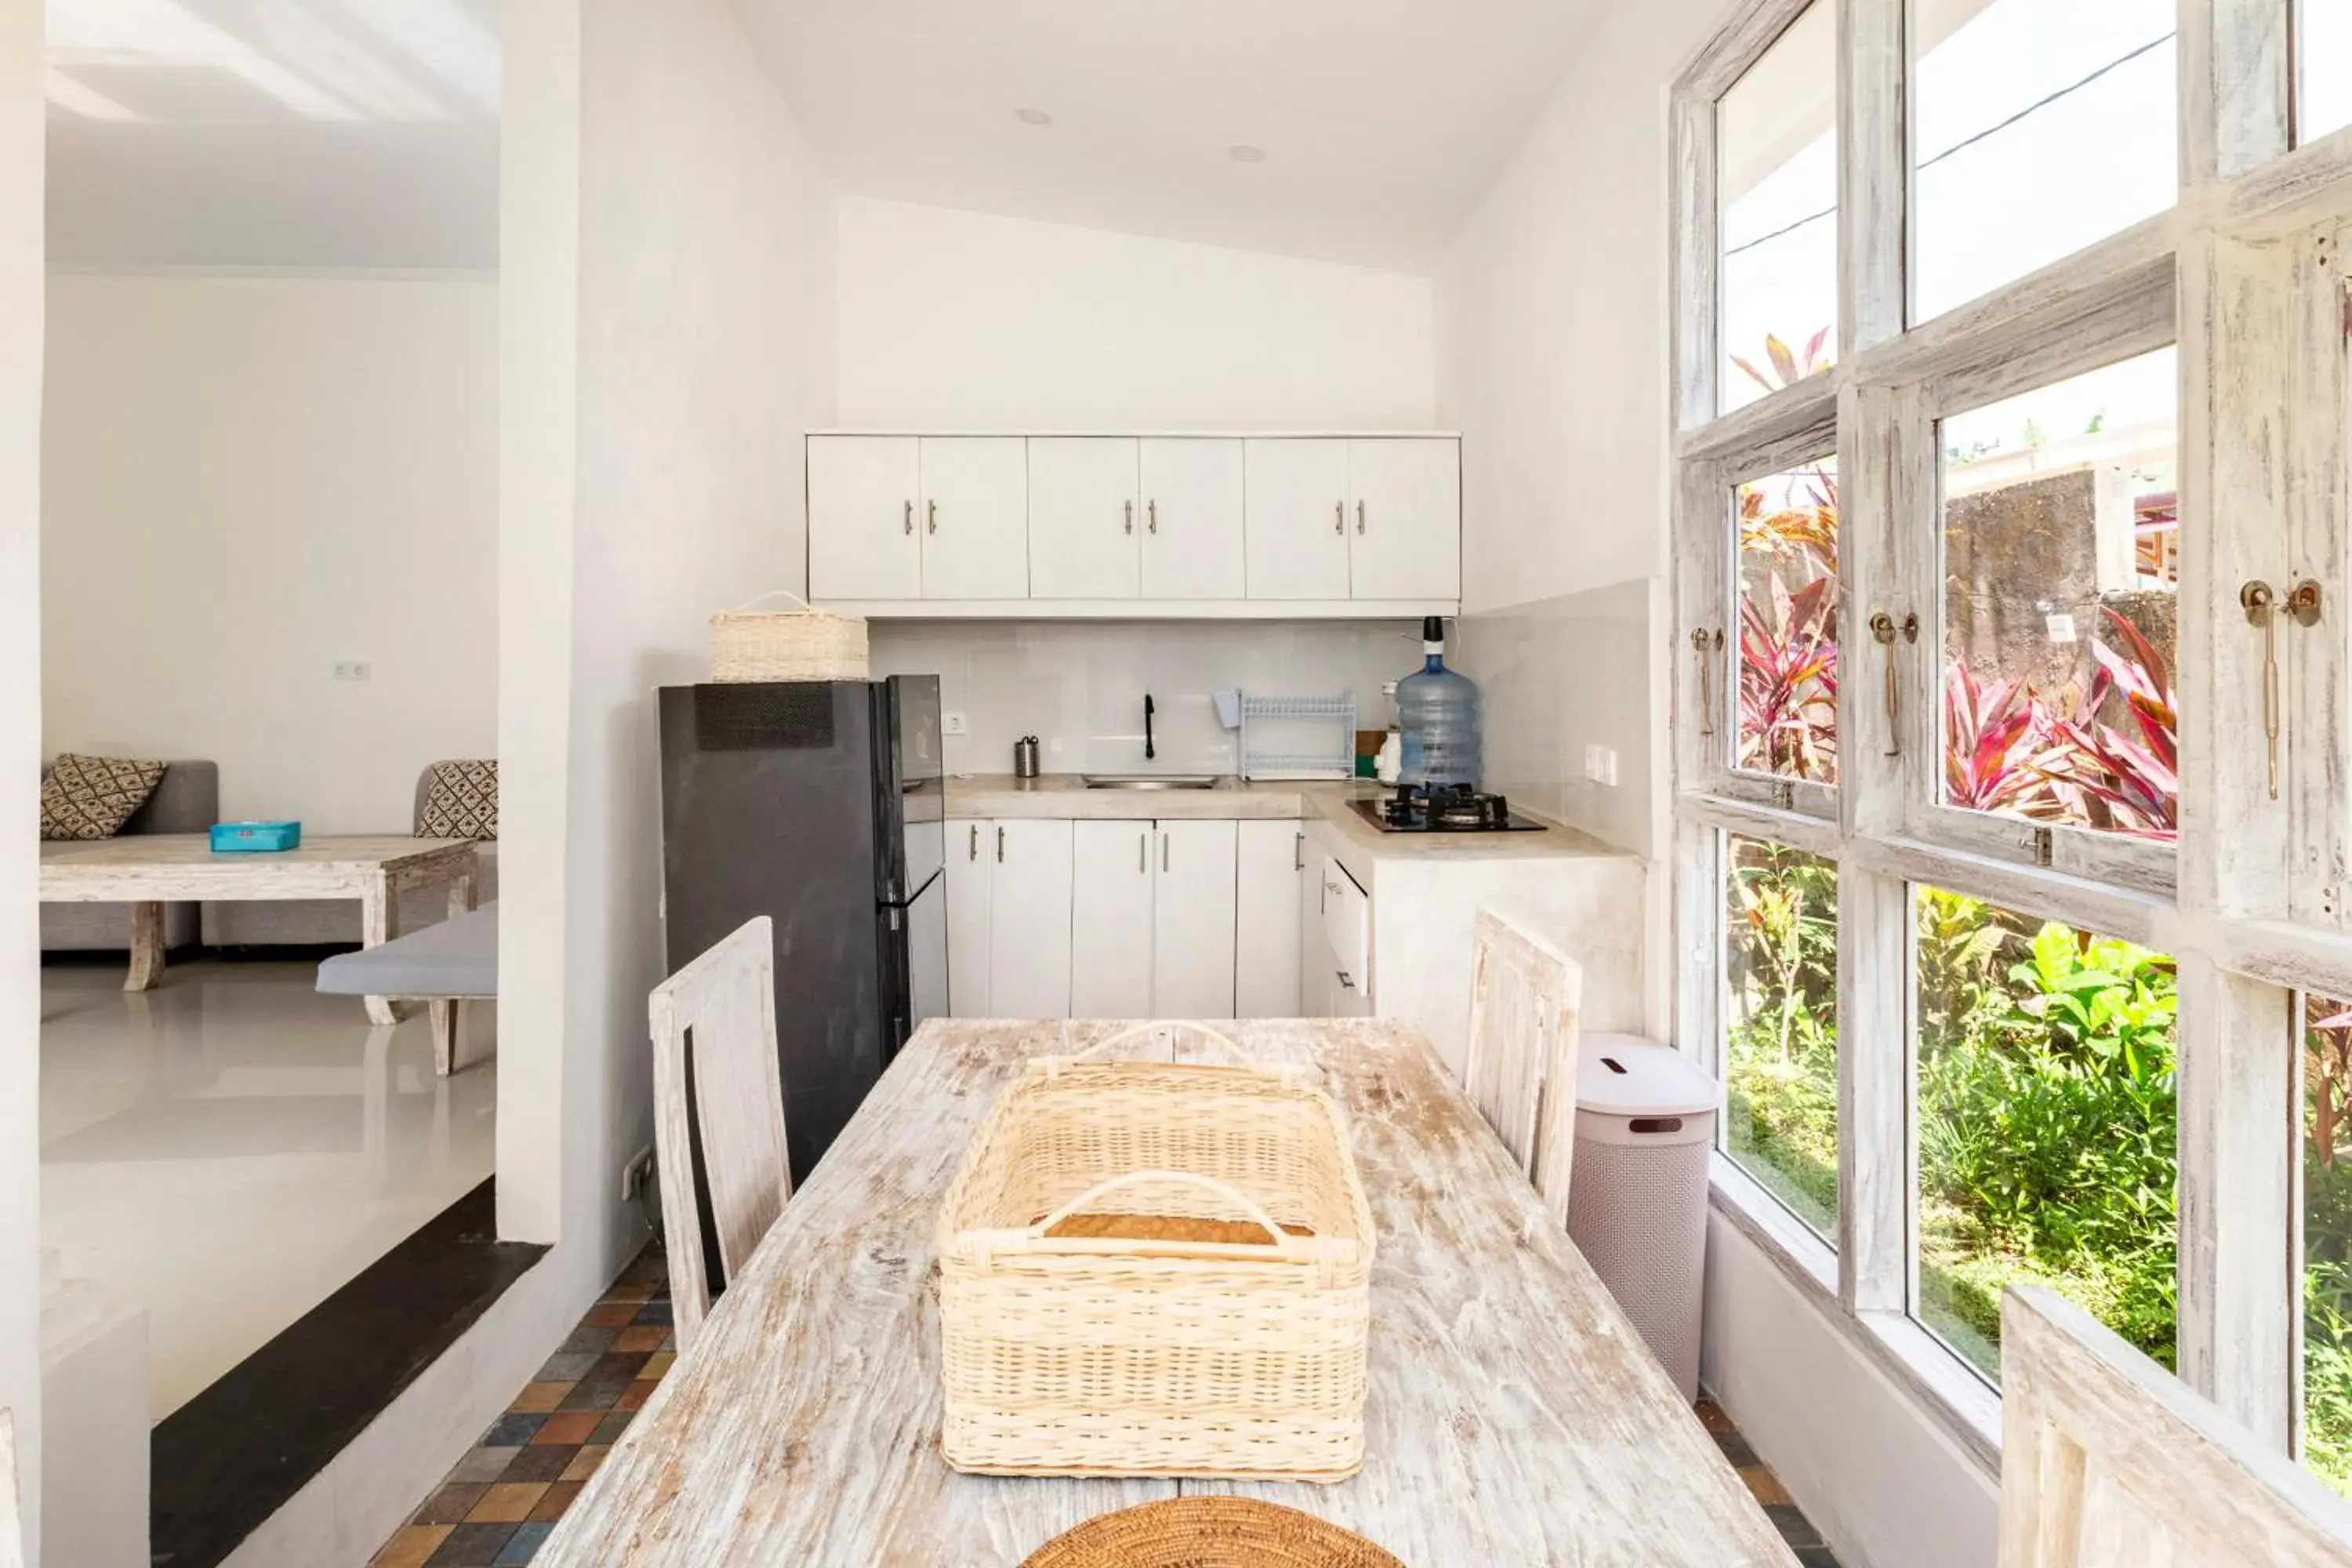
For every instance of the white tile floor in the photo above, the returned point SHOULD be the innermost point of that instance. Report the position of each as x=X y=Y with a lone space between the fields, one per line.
x=228 y=1149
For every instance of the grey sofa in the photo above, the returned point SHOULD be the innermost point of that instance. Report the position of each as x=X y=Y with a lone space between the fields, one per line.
x=186 y=800
x=320 y=923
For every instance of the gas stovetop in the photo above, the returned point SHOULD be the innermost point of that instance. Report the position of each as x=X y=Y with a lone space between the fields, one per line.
x=1456 y=808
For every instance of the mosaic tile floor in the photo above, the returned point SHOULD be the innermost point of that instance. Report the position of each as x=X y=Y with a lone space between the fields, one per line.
x=1766 y=1488
x=502 y=1501
x=503 y=1498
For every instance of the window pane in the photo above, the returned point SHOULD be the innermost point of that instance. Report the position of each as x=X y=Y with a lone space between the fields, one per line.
x=2328 y=1240
x=2045 y=1124
x=1789 y=623
x=1780 y=1023
x=1777 y=154
x=2324 y=61
x=2043 y=125
x=2061 y=575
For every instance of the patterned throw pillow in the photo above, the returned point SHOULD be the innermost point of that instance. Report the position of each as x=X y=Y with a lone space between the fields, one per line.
x=461 y=800
x=93 y=798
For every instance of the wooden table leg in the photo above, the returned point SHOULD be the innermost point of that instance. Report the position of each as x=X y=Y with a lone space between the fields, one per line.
x=379 y=923
x=465 y=891
x=448 y=1018
x=146 y=947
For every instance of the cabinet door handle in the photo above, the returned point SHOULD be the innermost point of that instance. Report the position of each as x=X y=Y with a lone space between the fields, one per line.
x=1360 y=517
x=1142 y=853
x=1130 y=517
x=931 y=517
x=975 y=840
x=1163 y=851
x=1000 y=845
x=1339 y=517
x=1299 y=851
x=910 y=517
x=1345 y=979
x=1151 y=516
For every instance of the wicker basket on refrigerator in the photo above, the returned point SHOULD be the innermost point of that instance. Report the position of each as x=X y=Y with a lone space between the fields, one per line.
x=1148 y=1269
x=753 y=644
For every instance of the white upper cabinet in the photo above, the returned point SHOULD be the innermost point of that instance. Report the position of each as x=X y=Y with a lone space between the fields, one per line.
x=1298 y=524
x=1404 y=518
x=1137 y=526
x=974 y=518
x=1086 y=528
x=863 y=494
x=1193 y=509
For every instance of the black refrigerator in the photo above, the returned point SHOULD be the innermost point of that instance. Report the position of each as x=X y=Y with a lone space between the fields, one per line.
x=821 y=805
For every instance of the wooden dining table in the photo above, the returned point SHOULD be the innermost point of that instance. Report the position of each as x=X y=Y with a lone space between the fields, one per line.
x=1513 y=1415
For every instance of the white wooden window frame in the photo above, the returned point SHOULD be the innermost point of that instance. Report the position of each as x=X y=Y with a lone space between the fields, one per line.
x=2255 y=903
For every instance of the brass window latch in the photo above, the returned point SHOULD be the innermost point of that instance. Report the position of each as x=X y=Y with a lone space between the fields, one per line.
x=1708 y=643
x=2264 y=606
x=1884 y=627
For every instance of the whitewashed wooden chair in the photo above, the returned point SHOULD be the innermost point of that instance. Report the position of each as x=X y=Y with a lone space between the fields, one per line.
x=11 y=1522
x=1520 y=1068
x=2109 y=1461
x=716 y=1019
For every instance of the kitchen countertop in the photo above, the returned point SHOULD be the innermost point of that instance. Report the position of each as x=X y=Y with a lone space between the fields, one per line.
x=1061 y=796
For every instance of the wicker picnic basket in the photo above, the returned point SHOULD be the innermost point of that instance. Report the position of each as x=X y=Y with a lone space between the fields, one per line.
x=806 y=644
x=1148 y=1269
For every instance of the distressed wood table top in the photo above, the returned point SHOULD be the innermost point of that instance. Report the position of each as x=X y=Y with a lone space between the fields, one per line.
x=1513 y=1418
x=183 y=865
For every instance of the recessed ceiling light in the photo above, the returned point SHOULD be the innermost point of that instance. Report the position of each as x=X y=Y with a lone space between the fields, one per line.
x=1033 y=117
x=1244 y=153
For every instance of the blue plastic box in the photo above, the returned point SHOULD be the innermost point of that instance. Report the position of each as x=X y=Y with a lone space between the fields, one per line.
x=255 y=838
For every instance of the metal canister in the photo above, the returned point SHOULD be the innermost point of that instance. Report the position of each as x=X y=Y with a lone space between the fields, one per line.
x=1024 y=757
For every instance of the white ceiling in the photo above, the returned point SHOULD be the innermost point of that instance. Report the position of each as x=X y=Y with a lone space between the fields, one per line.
x=265 y=133
x=1382 y=121
x=364 y=133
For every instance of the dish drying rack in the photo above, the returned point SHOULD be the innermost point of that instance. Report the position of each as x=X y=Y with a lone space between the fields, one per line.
x=1292 y=736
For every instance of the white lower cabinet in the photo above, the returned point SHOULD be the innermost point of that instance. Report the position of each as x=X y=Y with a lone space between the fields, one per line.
x=1111 y=907
x=969 y=864
x=1029 y=919
x=1269 y=868
x=1052 y=918
x=1335 y=924
x=1193 y=920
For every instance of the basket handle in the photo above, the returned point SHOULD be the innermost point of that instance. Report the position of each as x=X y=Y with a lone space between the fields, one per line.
x=774 y=593
x=1280 y=1237
x=1052 y=1066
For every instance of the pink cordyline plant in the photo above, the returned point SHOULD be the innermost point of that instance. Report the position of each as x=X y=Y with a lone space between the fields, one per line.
x=1788 y=680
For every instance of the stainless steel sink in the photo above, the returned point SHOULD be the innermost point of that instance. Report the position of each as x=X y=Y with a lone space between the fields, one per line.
x=1150 y=781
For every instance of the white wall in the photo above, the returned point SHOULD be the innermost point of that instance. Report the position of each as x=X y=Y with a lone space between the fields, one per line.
x=21 y=263
x=673 y=237
x=1551 y=326
x=957 y=319
x=247 y=480
x=1884 y=1487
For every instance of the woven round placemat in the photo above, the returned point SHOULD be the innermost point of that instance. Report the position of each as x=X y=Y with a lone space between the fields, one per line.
x=1209 y=1533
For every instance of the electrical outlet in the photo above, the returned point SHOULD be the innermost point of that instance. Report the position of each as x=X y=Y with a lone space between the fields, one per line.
x=635 y=1174
x=1601 y=765
x=353 y=669
x=952 y=724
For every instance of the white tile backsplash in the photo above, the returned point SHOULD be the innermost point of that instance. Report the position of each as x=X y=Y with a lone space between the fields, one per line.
x=1559 y=676
x=1078 y=686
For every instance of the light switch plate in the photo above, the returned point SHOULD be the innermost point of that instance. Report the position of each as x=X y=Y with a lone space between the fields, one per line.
x=951 y=724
